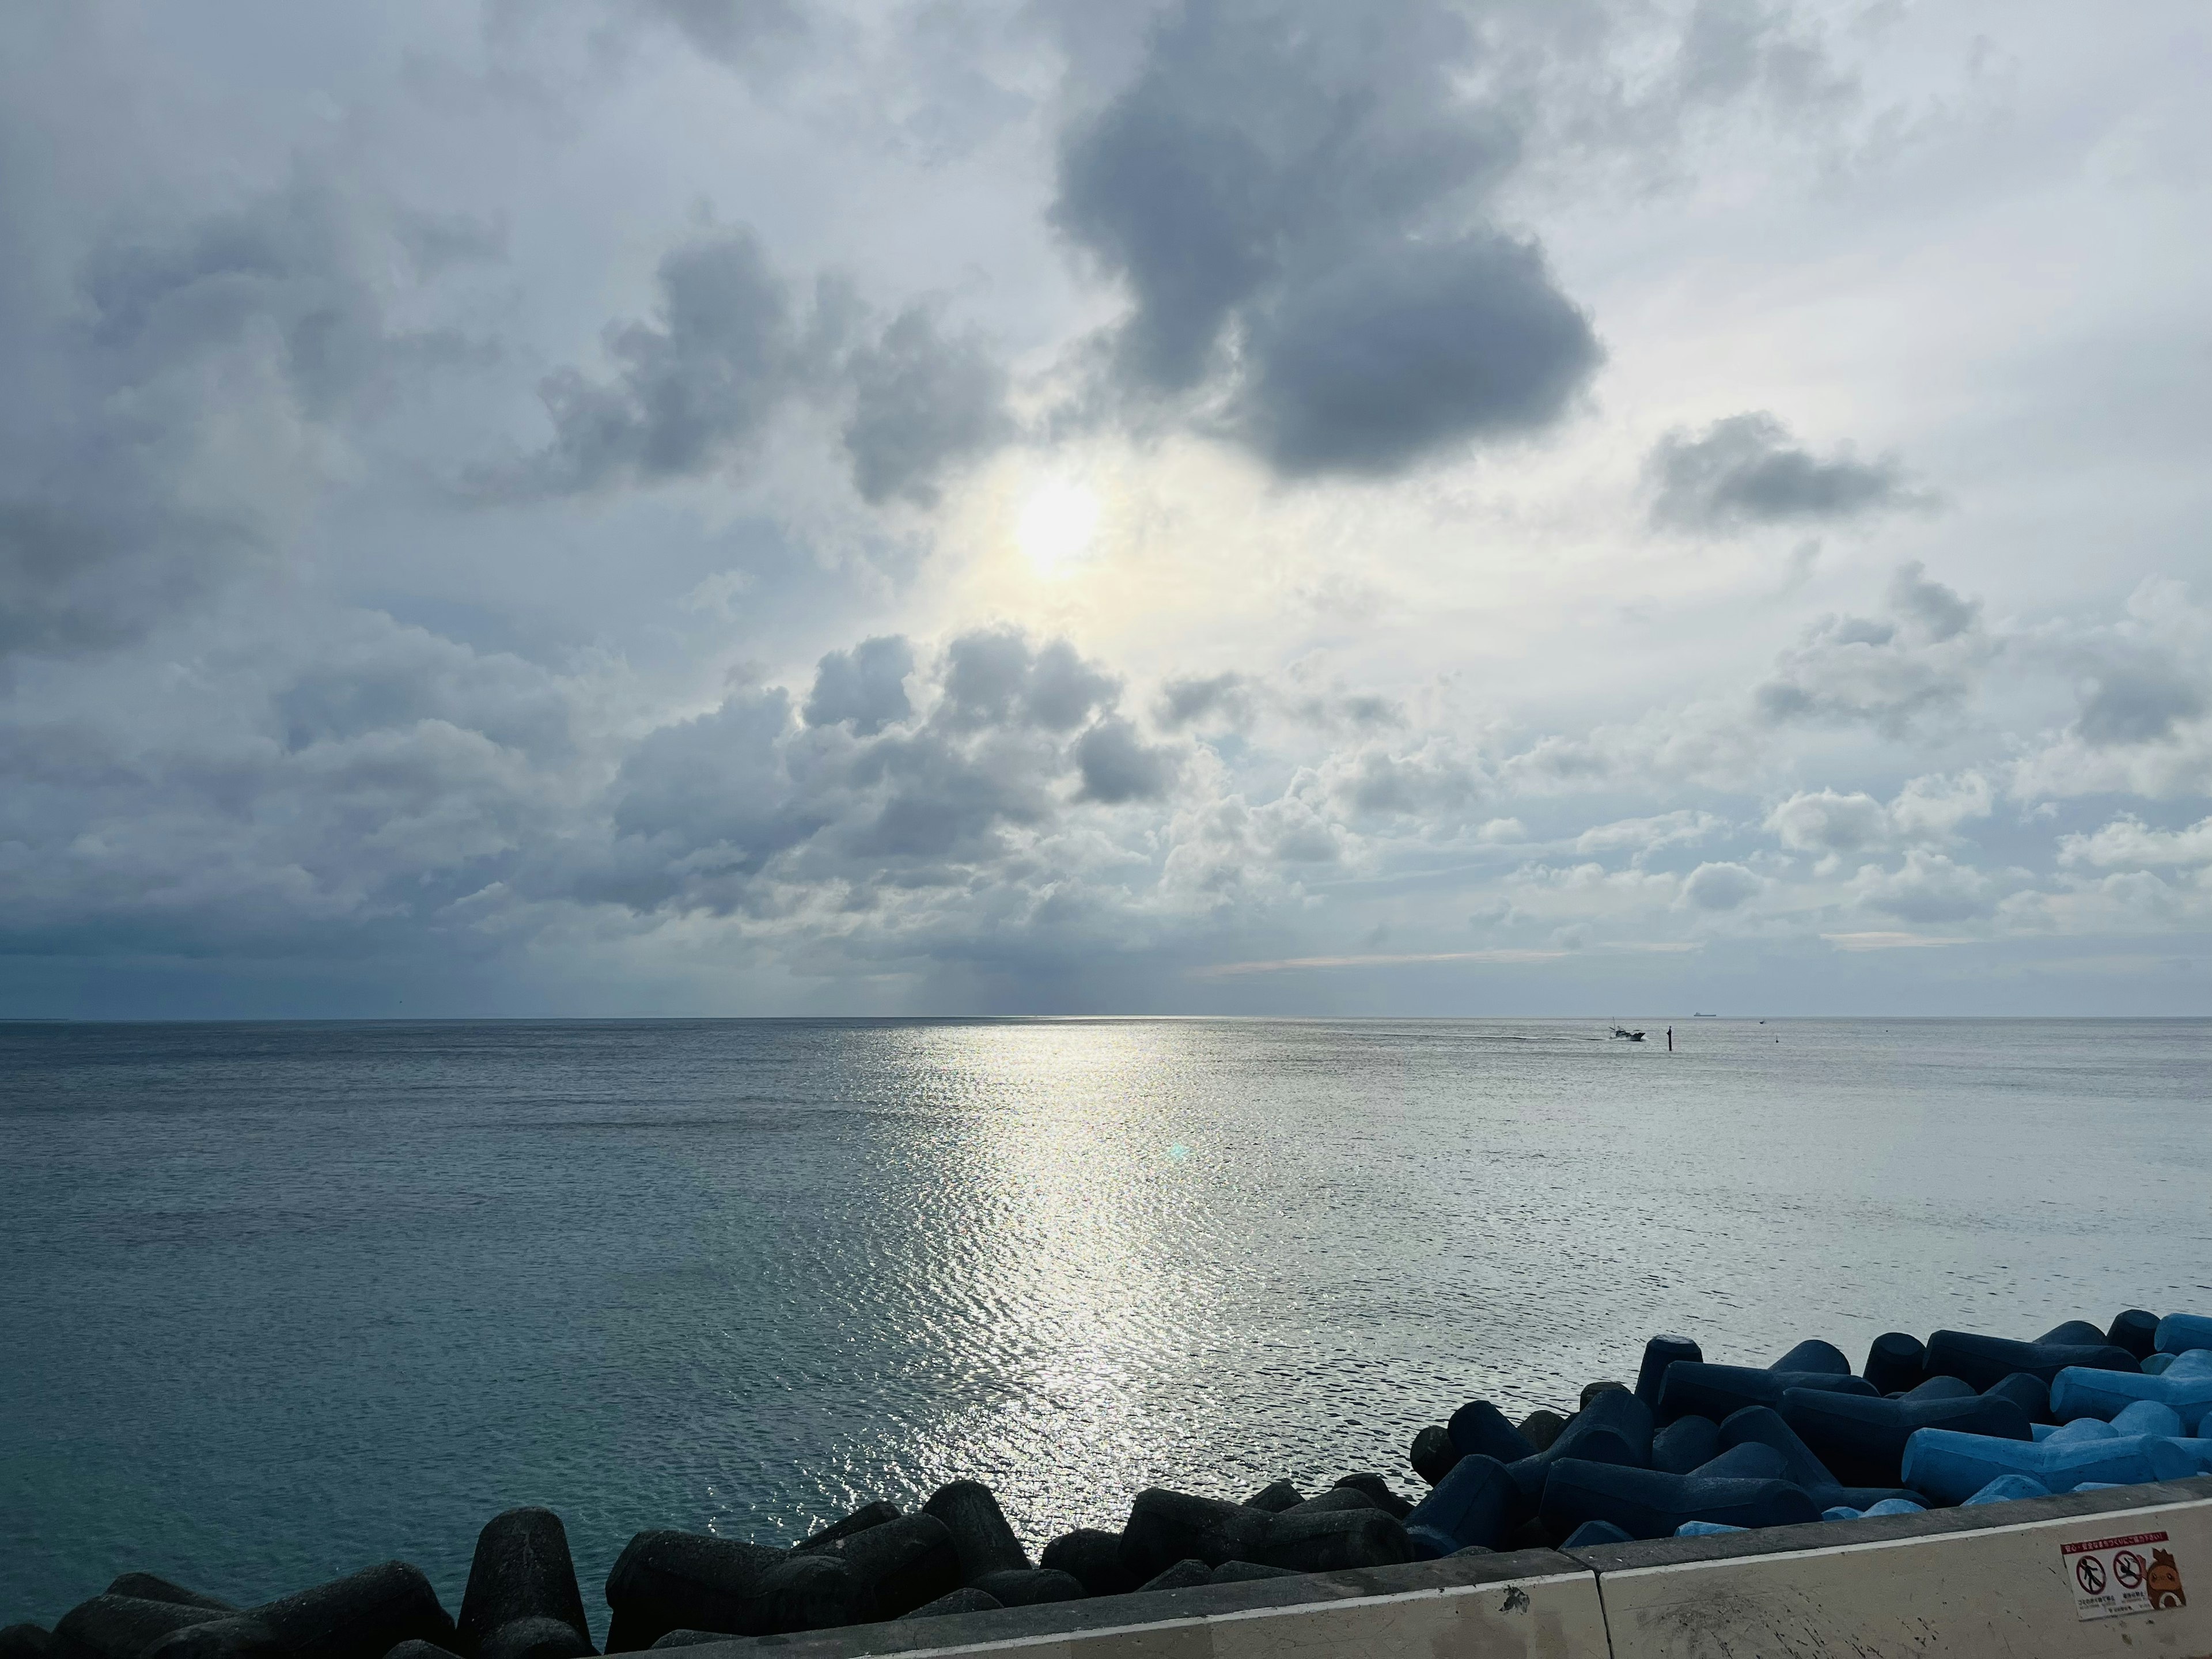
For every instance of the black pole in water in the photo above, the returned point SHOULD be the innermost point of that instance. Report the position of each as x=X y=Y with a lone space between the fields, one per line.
x=1670 y=1039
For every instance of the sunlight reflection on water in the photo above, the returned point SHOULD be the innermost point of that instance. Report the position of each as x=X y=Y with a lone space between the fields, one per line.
x=295 y=1298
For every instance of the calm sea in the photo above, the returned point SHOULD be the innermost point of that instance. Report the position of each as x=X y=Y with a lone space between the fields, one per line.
x=280 y=1301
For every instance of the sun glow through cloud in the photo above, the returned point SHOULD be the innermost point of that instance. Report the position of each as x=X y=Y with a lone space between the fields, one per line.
x=1057 y=525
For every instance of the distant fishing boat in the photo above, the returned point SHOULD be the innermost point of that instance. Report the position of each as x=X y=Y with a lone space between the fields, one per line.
x=1623 y=1031
x=1713 y=1016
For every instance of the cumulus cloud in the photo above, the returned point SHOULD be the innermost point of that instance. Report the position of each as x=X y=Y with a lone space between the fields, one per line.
x=993 y=676
x=921 y=404
x=2127 y=842
x=339 y=785
x=1927 y=808
x=1183 y=702
x=1290 y=194
x=694 y=388
x=1746 y=471
x=2143 y=703
x=1928 y=887
x=1825 y=821
x=1685 y=827
x=866 y=685
x=1723 y=886
x=733 y=348
x=754 y=807
x=1933 y=808
x=1118 y=766
x=737 y=33
x=1432 y=781
x=2139 y=700
x=165 y=428
x=1917 y=664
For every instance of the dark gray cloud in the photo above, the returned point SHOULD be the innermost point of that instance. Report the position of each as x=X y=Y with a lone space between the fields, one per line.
x=1723 y=886
x=1937 y=613
x=176 y=380
x=728 y=811
x=1428 y=783
x=291 y=264
x=921 y=404
x=994 y=678
x=695 y=389
x=866 y=685
x=81 y=574
x=1185 y=702
x=733 y=348
x=2139 y=699
x=732 y=31
x=1118 y=766
x=1919 y=663
x=370 y=675
x=1292 y=194
x=1746 y=470
x=1375 y=364
x=438 y=242
x=707 y=802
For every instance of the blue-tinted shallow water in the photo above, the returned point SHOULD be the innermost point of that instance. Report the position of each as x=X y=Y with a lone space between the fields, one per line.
x=280 y=1301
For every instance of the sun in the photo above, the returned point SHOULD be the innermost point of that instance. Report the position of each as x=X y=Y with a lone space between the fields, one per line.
x=1058 y=524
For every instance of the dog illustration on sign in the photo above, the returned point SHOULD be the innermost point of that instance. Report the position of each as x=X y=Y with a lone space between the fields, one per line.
x=2163 y=1581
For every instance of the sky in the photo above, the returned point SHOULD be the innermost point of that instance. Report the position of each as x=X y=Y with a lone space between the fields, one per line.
x=1221 y=506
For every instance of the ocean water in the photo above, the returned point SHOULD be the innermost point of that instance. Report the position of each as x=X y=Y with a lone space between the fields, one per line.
x=280 y=1301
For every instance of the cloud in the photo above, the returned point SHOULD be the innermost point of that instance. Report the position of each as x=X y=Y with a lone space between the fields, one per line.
x=921 y=404
x=2127 y=842
x=1927 y=887
x=1721 y=887
x=1932 y=808
x=693 y=390
x=1917 y=665
x=86 y=574
x=325 y=788
x=169 y=425
x=1433 y=782
x=281 y=262
x=1289 y=194
x=866 y=685
x=1369 y=368
x=752 y=809
x=1907 y=673
x=2143 y=699
x=1825 y=821
x=439 y=242
x=1188 y=701
x=724 y=689
x=1685 y=827
x=731 y=350
x=1745 y=470
x=1117 y=767
x=735 y=33
x=1879 y=941
x=2139 y=701
x=993 y=676
x=1831 y=825
x=1292 y=964
x=1730 y=47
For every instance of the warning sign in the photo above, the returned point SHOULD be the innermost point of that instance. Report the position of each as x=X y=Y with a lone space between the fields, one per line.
x=2112 y=1576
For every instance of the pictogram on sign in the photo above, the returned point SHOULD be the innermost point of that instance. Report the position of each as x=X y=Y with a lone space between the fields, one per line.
x=2114 y=1576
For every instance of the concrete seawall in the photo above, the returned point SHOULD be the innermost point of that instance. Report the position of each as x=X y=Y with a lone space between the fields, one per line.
x=1999 y=1579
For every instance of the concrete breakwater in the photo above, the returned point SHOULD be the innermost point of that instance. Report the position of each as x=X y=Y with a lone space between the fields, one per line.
x=1691 y=1449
